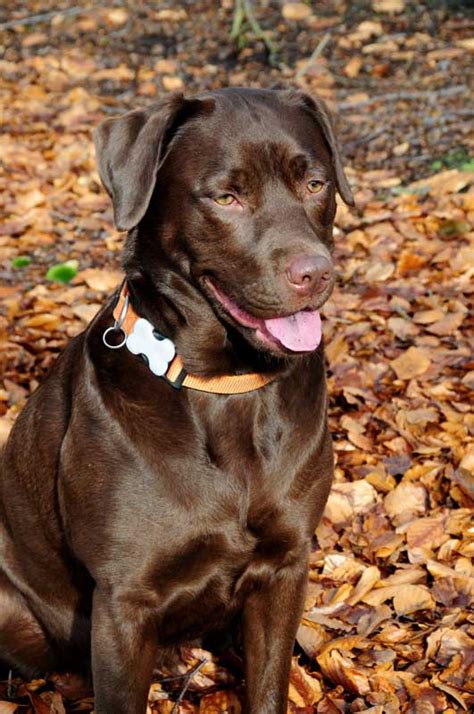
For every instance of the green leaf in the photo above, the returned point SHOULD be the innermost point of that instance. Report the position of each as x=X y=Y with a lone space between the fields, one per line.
x=468 y=165
x=63 y=272
x=457 y=159
x=452 y=228
x=21 y=261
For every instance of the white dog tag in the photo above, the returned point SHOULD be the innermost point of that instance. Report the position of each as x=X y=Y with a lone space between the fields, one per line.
x=158 y=351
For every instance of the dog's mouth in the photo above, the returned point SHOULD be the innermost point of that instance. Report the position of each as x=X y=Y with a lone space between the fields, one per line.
x=297 y=332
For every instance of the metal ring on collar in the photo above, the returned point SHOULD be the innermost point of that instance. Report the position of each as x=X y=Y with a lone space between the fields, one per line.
x=115 y=328
x=123 y=314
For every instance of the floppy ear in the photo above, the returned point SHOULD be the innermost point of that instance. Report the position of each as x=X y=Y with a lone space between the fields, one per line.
x=130 y=149
x=318 y=109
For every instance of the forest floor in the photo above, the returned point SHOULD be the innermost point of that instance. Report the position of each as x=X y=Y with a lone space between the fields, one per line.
x=387 y=624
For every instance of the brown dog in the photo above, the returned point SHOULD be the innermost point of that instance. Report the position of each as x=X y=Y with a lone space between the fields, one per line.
x=136 y=515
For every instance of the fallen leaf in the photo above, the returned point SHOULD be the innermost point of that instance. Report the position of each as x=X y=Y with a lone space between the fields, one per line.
x=369 y=578
x=8 y=707
x=379 y=271
x=100 y=279
x=220 y=702
x=311 y=638
x=409 y=262
x=405 y=501
x=353 y=67
x=46 y=321
x=296 y=11
x=412 y=363
x=340 y=670
x=448 y=324
x=411 y=598
x=348 y=499
x=86 y=312
x=391 y=7
x=305 y=690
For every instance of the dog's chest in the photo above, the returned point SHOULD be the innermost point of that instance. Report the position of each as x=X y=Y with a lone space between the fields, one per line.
x=206 y=580
x=205 y=523
x=243 y=529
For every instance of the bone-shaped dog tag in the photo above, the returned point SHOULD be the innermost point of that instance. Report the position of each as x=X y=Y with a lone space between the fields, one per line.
x=159 y=351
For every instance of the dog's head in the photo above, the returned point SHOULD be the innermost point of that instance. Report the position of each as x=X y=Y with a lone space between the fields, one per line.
x=233 y=193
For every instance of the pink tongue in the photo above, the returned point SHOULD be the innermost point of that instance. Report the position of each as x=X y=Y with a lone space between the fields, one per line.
x=300 y=332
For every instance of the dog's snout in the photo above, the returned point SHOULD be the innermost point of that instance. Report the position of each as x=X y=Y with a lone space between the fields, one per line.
x=309 y=274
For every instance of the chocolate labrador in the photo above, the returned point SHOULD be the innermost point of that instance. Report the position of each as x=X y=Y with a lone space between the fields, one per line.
x=168 y=475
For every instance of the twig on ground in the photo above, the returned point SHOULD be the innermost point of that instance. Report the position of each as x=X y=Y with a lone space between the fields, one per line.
x=237 y=20
x=321 y=46
x=405 y=96
x=367 y=138
x=186 y=684
x=43 y=17
x=10 y=684
x=244 y=11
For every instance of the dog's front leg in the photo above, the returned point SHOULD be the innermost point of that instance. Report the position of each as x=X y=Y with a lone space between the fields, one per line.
x=123 y=656
x=270 y=619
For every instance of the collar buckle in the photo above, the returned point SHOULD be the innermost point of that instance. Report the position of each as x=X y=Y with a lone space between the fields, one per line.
x=177 y=382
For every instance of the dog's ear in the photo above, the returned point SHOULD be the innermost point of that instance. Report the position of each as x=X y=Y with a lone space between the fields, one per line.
x=131 y=148
x=319 y=111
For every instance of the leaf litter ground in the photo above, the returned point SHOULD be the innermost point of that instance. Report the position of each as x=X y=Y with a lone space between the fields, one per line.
x=388 y=623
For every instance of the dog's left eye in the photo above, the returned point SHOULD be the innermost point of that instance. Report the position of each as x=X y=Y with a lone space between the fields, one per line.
x=225 y=200
x=315 y=186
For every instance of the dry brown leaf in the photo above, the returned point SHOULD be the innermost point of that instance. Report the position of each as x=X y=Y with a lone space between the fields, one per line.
x=305 y=690
x=410 y=598
x=46 y=321
x=311 y=637
x=368 y=580
x=353 y=67
x=448 y=324
x=8 y=707
x=467 y=43
x=402 y=328
x=296 y=11
x=340 y=670
x=427 y=317
x=454 y=693
x=342 y=566
x=371 y=620
x=391 y=7
x=411 y=363
x=346 y=644
x=172 y=84
x=379 y=271
x=444 y=643
x=400 y=577
x=347 y=499
x=426 y=533
x=117 y=16
x=220 y=702
x=445 y=182
x=377 y=596
x=87 y=311
x=409 y=262
x=100 y=279
x=6 y=424
x=405 y=501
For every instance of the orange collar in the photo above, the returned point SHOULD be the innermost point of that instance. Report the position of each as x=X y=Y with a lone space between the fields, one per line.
x=175 y=374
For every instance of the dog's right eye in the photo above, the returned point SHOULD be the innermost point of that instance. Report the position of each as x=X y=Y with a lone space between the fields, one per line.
x=225 y=200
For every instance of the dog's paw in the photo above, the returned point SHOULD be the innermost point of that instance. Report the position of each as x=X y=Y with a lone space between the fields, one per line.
x=157 y=350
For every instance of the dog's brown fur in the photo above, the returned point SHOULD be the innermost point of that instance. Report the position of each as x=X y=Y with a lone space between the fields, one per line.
x=134 y=517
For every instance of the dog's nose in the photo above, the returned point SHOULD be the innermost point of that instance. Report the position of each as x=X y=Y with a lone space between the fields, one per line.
x=309 y=274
